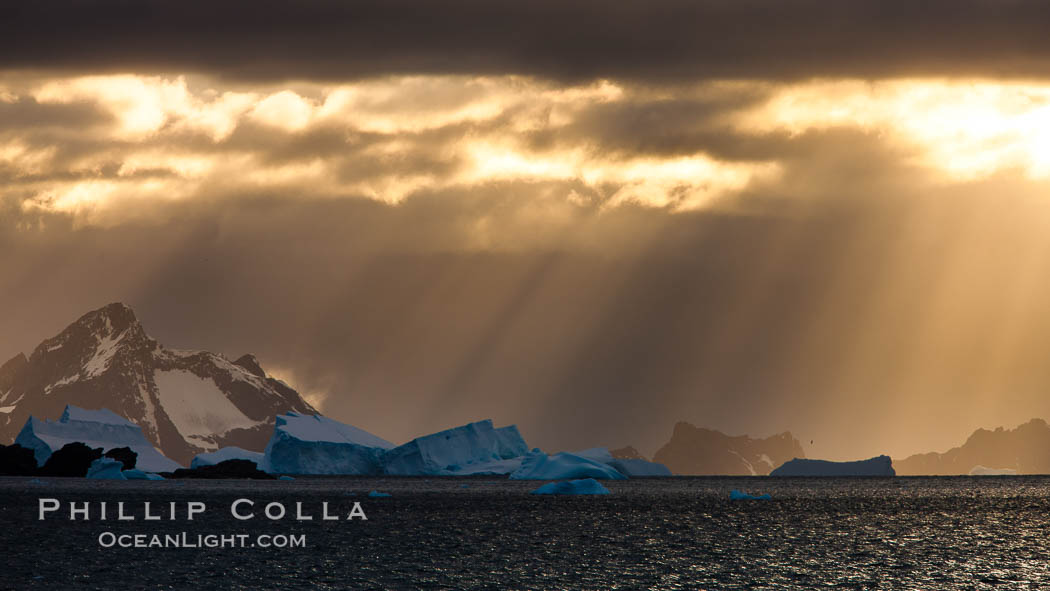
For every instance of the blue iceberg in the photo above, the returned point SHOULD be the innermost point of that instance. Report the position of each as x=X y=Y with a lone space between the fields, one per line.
x=313 y=444
x=474 y=448
x=563 y=466
x=94 y=428
x=106 y=469
x=735 y=495
x=585 y=486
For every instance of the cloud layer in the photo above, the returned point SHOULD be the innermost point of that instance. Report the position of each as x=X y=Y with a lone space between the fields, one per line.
x=557 y=39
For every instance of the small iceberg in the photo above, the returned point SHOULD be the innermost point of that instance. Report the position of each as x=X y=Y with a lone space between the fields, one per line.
x=106 y=469
x=585 y=486
x=984 y=471
x=736 y=495
x=378 y=495
x=285 y=477
x=136 y=474
x=227 y=453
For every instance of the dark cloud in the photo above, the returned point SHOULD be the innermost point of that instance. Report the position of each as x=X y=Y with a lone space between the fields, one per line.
x=574 y=39
x=25 y=113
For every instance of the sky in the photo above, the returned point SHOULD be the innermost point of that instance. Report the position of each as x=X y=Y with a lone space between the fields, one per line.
x=592 y=219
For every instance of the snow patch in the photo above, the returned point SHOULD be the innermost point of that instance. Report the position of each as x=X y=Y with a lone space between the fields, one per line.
x=104 y=351
x=196 y=405
x=7 y=409
x=747 y=464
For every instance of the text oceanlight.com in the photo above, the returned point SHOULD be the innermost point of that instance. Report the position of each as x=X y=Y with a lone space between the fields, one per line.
x=187 y=540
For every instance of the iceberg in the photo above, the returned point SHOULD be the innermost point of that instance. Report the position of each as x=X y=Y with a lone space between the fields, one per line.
x=635 y=468
x=735 y=495
x=586 y=486
x=313 y=444
x=378 y=495
x=631 y=468
x=563 y=466
x=227 y=453
x=136 y=474
x=474 y=448
x=95 y=428
x=877 y=466
x=983 y=471
x=106 y=469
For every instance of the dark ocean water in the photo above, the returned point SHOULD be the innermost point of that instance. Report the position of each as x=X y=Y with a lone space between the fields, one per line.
x=675 y=533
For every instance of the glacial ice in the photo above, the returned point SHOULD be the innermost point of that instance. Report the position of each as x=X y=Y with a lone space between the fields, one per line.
x=586 y=486
x=106 y=469
x=227 y=453
x=474 y=448
x=877 y=466
x=95 y=428
x=313 y=444
x=735 y=495
x=563 y=466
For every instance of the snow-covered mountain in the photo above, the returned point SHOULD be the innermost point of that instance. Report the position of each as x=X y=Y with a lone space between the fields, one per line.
x=186 y=402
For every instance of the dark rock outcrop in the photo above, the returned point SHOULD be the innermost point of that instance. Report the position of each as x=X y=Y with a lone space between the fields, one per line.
x=694 y=450
x=1025 y=448
x=229 y=469
x=72 y=460
x=125 y=455
x=16 y=460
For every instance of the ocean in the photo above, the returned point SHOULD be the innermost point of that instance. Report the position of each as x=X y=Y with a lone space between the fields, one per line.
x=489 y=533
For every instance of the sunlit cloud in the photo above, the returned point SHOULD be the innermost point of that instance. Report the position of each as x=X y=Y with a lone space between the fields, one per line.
x=965 y=129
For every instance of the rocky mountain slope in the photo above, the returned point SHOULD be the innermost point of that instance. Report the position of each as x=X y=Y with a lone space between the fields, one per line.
x=186 y=402
x=694 y=450
x=1025 y=448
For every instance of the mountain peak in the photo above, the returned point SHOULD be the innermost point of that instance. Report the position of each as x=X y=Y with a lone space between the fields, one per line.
x=185 y=401
x=117 y=315
x=251 y=363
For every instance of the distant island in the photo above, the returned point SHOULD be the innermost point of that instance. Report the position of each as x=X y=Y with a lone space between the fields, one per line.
x=877 y=466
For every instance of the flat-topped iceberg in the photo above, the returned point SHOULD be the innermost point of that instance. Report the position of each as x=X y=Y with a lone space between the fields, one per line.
x=227 y=453
x=585 y=486
x=563 y=466
x=94 y=428
x=474 y=448
x=877 y=466
x=313 y=444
